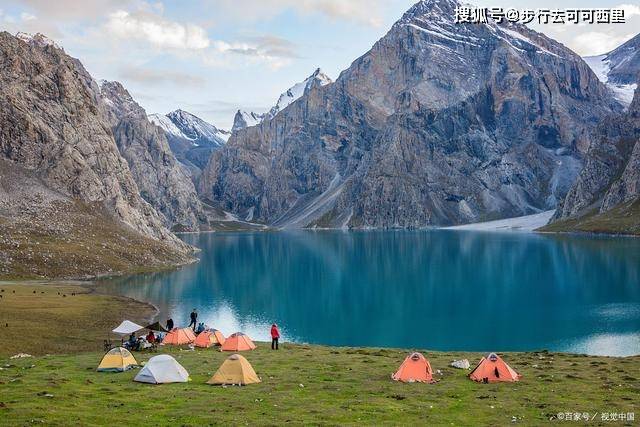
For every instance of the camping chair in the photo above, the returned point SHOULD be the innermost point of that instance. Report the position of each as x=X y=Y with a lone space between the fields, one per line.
x=107 y=345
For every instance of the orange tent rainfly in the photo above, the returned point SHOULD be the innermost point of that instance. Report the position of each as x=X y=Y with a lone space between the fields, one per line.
x=492 y=369
x=218 y=338
x=208 y=338
x=238 y=342
x=179 y=337
x=415 y=368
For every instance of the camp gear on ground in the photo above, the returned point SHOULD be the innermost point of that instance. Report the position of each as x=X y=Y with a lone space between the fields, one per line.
x=117 y=359
x=235 y=370
x=238 y=342
x=461 y=364
x=127 y=327
x=179 y=337
x=415 y=368
x=162 y=369
x=493 y=369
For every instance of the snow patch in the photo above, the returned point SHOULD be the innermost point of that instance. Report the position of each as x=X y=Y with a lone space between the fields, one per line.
x=521 y=223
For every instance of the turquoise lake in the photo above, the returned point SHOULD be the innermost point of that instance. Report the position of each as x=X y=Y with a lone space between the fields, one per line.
x=436 y=289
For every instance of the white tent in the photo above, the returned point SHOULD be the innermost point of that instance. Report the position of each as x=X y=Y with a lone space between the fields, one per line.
x=162 y=369
x=127 y=327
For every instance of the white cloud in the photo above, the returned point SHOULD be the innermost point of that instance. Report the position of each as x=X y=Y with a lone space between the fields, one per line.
x=629 y=10
x=157 y=31
x=24 y=16
x=597 y=43
x=367 y=12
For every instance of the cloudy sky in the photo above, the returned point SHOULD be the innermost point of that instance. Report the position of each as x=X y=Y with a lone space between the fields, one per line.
x=212 y=57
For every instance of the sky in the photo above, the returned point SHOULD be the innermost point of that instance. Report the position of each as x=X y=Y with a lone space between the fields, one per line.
x=212 y=57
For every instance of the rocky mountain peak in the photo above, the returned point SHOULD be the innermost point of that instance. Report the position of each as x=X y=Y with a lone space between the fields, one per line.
x=197 y=130
x=38 y=39
x=120 y=100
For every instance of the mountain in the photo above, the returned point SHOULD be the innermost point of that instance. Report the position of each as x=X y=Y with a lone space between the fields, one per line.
x=606 y=195
x=69 y=198
x=438 y=124
x=191 y=139
x=619 y=69
x=245 y=119
x=161 y=180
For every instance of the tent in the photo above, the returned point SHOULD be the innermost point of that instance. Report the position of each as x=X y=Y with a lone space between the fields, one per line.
x=179 y=337
x=415 y=368
x=162 y=369
x=235 y=370
x=492 y=369
x=117 y=359
x=204 y=339
x=157 y=327
x=127 y=327
x=237 y=342
x=208 y=338
x=219 y=339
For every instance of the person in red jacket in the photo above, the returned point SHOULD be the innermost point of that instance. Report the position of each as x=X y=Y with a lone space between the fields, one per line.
x=275 y=335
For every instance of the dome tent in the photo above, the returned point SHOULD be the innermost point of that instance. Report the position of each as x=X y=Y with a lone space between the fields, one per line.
x=162 y=369
x=492 y=369
x=118 y=359
x=235 y=370
x=238 y=342
x=415 y=368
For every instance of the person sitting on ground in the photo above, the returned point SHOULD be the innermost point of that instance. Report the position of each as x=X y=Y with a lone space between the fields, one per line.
x=151 y=337
x=275 y=336
x=159 y=337
x=194 y=318
x=169 y=324
x=200 y=328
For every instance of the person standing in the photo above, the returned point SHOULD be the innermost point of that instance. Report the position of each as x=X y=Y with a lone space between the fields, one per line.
x=169 y=324
x=275 y=336
x=194 y=319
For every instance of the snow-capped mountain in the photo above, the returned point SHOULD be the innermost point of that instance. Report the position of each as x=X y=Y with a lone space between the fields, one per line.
x=191 y=139
x=38 y=39
x=619 y=69
x=438 y=124
x=185 y=125
x=245 y=119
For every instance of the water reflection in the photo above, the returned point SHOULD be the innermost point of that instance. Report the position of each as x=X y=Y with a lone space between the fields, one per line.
x=446 y=290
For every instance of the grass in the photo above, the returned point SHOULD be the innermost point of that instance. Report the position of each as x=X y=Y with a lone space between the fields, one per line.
x=301 y=384
x=60 y=318
x=623 y=219
x=315 y=385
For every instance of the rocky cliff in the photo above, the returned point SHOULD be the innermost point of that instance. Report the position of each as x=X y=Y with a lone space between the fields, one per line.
x=606 y=194
x=191 y=139
x=161 y=179
x=55 y=127
x=438 y=124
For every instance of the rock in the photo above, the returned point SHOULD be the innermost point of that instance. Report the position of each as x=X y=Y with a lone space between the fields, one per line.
x=460 y=364
x=20 y=356
x=487 y=122
x=52 y=121
x=160 y=178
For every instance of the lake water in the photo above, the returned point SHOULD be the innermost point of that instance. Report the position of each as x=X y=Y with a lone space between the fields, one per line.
x=440 y=289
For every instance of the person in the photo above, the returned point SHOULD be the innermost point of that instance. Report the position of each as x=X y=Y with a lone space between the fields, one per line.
x=169 y=324
x=200 y=328
x=151 y=337
x=275 y=336
x=194 y=319
x=132 y=344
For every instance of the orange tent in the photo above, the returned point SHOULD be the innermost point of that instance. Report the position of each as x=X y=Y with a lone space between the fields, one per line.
x=179 y=337
x=415 y=368
x=238 y=342
x=492 y=369
x=218 y=338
